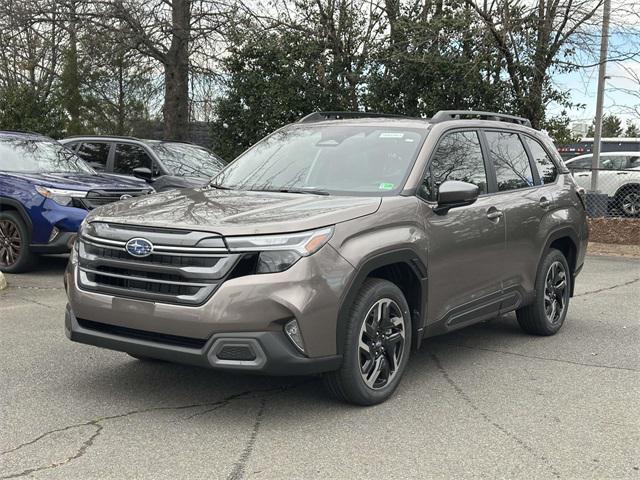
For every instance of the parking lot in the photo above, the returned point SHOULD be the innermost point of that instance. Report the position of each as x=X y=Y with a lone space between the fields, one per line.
x=484 y=402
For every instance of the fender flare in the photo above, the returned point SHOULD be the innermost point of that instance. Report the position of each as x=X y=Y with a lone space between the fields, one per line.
x=556 y=234
x=403 y=255
x=21 y=211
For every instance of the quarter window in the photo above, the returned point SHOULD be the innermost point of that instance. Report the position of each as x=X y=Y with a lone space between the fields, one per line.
x=129 y=157
x=510 y=161
x=457 y=157
x=95 y=154
x=546 y=168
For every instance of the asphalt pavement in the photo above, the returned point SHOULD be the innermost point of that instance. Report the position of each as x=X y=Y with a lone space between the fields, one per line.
x=484 y=402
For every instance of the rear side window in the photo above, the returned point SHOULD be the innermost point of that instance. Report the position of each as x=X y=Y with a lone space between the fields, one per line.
x=610 y=162
x=546 y=169
x=457 y=157
x=634 y=162
x=129 y=157
x=95 y=154
x=510 y=161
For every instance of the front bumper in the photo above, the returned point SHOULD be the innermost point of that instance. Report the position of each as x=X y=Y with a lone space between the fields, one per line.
x=273 y=353
x=63 y=243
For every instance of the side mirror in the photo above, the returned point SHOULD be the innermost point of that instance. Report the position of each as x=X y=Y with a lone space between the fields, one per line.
x=144 y=173
x=453 y=193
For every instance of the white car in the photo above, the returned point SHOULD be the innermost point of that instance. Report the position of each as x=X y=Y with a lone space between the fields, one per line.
x=618 y=177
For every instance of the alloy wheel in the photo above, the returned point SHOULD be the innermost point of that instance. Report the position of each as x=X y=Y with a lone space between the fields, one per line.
x=555 y=292
x=631 y=204
x=10 y=243
x=382 y=343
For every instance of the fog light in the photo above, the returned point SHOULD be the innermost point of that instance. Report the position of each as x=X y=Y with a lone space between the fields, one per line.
x=293 y=332
x=54 y=234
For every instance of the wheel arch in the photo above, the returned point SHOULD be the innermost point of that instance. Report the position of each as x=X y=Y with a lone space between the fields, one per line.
x=630 y=185
x=566 y=241
x=8 y=204
x=402 y=267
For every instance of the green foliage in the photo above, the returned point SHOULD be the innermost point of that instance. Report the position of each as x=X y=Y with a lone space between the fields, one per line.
x=611 y=126
x=632 y=129
x=558 y=129
x=272 y=79
x=23 y=109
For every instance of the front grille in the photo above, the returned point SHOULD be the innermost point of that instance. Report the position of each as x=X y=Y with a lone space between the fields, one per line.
x=97 y=198
x=178 y=271
x=175 y=340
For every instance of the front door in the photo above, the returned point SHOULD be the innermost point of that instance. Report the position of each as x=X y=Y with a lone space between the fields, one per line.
x=466 y=245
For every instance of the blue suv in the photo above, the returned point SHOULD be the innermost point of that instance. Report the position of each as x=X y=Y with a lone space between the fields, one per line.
x=45 y=193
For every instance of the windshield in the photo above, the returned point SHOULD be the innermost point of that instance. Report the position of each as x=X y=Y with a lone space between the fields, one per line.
x=188 y=160
x=39 y=156
x=340 y=159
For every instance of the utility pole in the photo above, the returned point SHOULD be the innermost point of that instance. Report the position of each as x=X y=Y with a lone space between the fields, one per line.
x=602 y=74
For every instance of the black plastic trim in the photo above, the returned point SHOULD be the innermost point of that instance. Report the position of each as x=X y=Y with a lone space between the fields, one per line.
x=21 y=210
x=406 y=256
x=281 y=358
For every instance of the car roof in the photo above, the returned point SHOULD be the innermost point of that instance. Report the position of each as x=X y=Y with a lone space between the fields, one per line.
x=24 y=135
x=608 y=154
x=124 y=138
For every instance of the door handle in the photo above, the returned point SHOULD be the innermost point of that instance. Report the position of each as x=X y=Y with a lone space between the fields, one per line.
x=623 y=173
x=545 y=203
x=494 y=214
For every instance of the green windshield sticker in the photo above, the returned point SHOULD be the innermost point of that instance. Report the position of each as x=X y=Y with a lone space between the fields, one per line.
x=386 y=186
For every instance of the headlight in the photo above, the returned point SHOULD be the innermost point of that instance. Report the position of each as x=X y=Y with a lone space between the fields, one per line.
x=60 y=196
x=279 y=252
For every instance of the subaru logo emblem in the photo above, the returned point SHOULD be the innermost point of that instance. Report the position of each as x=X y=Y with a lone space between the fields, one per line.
x=139 y=247
x=125 y=196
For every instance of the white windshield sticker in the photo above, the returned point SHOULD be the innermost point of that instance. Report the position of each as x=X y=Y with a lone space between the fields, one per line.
x=391 y=135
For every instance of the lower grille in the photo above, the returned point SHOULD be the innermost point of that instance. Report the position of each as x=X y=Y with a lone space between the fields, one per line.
x=174 y=340
x=237 y=353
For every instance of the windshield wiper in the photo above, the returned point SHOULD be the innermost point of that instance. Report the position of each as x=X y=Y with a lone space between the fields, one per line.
x=308 y=191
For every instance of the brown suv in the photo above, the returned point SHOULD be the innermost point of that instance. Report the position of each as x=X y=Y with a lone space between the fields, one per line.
x=335 y=245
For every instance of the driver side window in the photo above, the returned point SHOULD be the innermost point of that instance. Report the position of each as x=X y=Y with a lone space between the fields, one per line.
x=457 y=157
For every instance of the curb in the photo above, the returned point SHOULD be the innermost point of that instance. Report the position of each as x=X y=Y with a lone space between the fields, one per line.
x=3 y=282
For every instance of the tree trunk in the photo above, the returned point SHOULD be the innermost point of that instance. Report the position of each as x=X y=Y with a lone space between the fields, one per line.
x=176 y=74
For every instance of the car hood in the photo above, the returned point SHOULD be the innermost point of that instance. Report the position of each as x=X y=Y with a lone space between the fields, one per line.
x=81 y=181
x=229 y=212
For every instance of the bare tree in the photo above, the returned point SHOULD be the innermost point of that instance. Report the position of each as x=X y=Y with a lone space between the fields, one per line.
x=532 y=38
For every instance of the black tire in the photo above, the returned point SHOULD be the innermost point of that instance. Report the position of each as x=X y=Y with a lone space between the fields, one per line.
x=628 y=200
x=391 y=347
x=15 y=253
x=540 y=318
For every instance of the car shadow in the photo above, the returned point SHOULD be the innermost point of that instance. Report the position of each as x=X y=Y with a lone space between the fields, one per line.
x=167 y=385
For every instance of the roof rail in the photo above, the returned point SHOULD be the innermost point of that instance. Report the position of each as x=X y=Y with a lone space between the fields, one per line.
x=444 y=115
x=322 y=116
x=126 y=137
x=26 y=132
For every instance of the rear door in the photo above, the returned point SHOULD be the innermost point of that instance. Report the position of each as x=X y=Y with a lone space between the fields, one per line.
x=525 y=179
x=96 y=154
x=466 y=245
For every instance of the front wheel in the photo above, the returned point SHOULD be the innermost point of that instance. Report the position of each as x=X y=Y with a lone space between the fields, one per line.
x=15 y=254
x=553 y=286
x=377 y=345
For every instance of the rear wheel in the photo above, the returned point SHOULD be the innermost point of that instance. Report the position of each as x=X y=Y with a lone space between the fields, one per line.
x=377 y=345
x=553 y=286
x=15 y=254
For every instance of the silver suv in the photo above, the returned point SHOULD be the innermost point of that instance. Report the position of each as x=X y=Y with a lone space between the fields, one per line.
x=334 y=246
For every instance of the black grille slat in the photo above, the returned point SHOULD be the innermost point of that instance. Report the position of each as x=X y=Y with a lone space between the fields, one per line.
x=98 y=198
x=175 y=340
x=236 y=353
